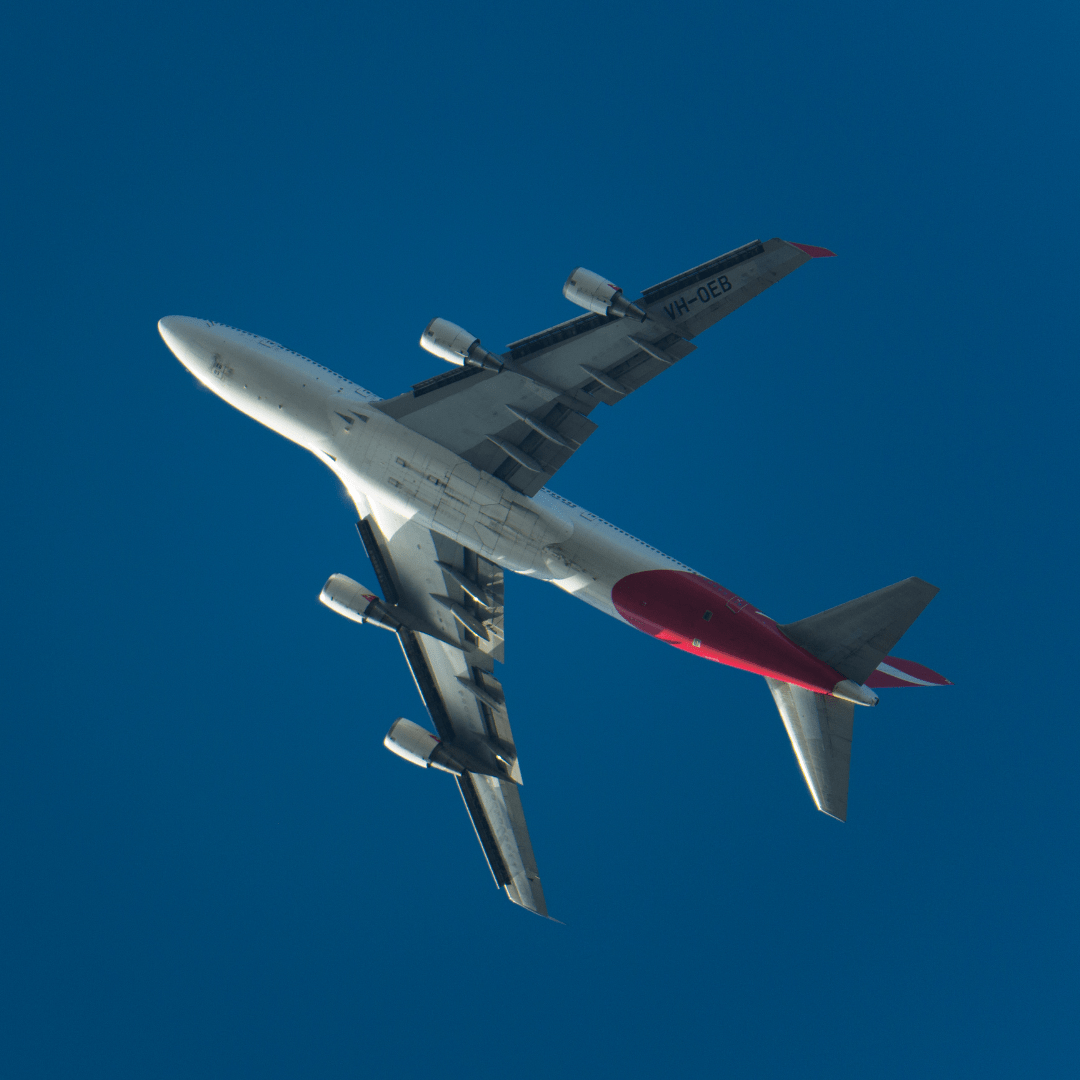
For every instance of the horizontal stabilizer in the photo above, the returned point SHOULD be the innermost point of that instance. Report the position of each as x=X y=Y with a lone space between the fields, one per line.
x=892 y=671
x=855 y=637
x=820 y=729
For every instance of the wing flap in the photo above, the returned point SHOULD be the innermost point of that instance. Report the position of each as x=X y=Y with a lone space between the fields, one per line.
x=560 y=419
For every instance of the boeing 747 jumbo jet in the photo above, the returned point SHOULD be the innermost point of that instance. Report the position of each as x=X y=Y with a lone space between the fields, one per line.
x=449 y=484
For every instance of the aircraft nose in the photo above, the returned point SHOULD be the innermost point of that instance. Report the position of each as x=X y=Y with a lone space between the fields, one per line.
x=187 y=340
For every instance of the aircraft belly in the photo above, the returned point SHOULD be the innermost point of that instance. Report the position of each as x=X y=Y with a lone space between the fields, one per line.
x=385 y=462
x=697 y=615
x=419 y=479
x=596 y=556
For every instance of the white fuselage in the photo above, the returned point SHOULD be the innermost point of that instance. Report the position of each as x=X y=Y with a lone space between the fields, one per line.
x=382 y=462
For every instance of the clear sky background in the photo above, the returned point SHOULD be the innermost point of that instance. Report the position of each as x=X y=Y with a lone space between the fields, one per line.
x=212 y=868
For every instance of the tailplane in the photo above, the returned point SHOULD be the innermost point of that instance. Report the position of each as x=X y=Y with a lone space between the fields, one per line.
x=857 y=636
x=854 y=639
x=892 y=671
x=820 y=729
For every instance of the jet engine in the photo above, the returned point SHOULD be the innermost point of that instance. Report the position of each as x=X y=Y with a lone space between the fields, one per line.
x=416 y=744
x=413 y=743
x=360 y=604
x=450 y=342
x=594 y=293
x=356 y=602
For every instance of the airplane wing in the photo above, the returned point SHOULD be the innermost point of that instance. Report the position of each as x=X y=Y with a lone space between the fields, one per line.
x=430 y=577
x=523 y=431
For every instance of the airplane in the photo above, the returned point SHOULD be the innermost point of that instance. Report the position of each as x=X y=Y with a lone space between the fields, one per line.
x=449 y=480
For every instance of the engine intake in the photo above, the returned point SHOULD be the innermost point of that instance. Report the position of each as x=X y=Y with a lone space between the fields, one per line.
x=357 y=602
x=450 y=342
x=412 y=742
x=594 y=293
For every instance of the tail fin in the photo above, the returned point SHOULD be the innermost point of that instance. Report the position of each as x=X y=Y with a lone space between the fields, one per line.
x=855 y=637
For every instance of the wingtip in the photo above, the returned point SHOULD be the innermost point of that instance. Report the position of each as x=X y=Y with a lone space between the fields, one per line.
x=814 y=252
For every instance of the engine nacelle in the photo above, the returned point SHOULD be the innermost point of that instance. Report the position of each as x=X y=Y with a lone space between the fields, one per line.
x=594 y=293
x=416 y=744
x=447 y=341
x=450 y=342
x=357 y=602
x=412 y=742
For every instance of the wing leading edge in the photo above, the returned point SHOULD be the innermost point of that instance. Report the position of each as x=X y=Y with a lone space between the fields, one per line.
x=426 y=575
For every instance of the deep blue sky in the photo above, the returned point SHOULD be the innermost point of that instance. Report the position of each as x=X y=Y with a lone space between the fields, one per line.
x=211 y=866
